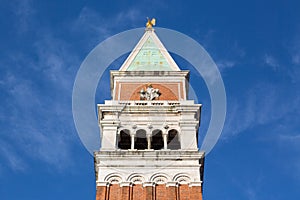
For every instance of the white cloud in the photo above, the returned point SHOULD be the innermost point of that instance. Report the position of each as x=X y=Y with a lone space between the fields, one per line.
x=34 y=126
x=271 y=61
x=262 y=104
x=290 y=138
x=24 y=12
x=223 y=64
x=231 y=58
x=37 y=101
x=38 y=87
x=296 y=59
x=15 y=162
x=97 y=27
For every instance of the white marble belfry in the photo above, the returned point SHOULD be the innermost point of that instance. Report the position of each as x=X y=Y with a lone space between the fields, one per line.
x=147 y=138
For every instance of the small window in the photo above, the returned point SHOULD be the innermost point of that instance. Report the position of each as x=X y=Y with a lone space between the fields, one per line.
x=173 y=140
x=125 y=140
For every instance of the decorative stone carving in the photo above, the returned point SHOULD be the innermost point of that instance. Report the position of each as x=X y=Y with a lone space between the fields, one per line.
x=136 y=179
x=113 y=179
x=159 y=178
x=149 y=93
x=182 y=178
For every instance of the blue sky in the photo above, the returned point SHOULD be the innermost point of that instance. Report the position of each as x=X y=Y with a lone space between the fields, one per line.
x=255 y=44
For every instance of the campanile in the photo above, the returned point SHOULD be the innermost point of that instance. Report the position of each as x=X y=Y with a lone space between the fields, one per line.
x=149 y=130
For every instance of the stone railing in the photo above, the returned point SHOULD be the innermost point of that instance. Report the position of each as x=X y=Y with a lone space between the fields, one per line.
x=150 y=103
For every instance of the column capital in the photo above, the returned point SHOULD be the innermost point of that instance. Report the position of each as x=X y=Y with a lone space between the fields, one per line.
x=101 y=183
x=124 y=184
x=172 y=184
x=191 y=184
x=148 y=184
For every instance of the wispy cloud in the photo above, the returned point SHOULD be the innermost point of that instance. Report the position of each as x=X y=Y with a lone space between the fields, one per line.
x=34 y=126
x=260 y=105
x=296 y=58
x=37 y=101
x=15 y=162
x=24 y=12
x=289 y=143
x=271 y=61
x=232 y=57
x=36 y=88
x=97 y=27
x=223 y=64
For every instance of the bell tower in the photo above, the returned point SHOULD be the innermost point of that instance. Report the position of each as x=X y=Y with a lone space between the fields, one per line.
x=149 y=130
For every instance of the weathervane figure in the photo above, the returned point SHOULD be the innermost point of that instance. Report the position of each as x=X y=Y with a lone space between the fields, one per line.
x=150 y=23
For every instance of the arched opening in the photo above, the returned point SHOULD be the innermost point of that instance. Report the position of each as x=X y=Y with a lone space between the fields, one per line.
x=124 y=139
x=173 y=140
x=157 y=140
x=140 y=140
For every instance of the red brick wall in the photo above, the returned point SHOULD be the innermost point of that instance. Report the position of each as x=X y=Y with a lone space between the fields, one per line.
x=125 y=193
x=114 y=192
x=130 y=91
x=149 y=193
x=101 y=193
x=196 y=192
x=172 y=193
x=138 y=192
x=159 y=192
x=184 y=193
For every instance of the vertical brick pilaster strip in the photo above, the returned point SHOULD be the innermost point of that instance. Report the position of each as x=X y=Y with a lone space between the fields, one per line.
x=171 y=191
x=101 y=193
x=125 y=191
x=149 y=190
x=137 y=192
x=114 y=192
x=160 y=192
x=195 y=193
x=184 y=192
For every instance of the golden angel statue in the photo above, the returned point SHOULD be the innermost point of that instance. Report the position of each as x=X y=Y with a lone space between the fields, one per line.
x=150 y=23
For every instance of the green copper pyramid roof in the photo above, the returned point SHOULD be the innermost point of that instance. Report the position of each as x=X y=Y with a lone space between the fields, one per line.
x=149 y=58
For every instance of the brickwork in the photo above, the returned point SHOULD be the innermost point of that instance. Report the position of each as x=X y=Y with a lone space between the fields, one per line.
x=130 y=91
x=125 y=193
x=160 y=192
x=139 y=192
x=196 y=192
x=184 y=192
x=101 y=193
x=171 y=193
x=149 y=192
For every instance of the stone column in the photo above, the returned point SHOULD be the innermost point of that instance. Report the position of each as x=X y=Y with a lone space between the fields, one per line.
x=132 y=135
x=149 y=134
x=132 y=139
x=165 y=134
x=149 y=141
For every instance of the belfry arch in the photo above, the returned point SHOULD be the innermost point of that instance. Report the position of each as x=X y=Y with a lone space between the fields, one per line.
x=124 y=139
x=173 y=139
x=157 y=142
x=140 y=140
